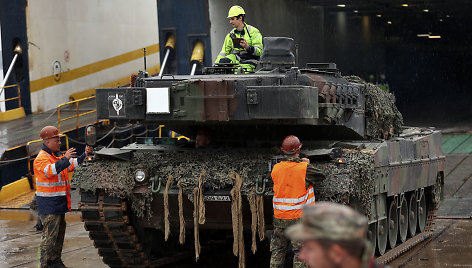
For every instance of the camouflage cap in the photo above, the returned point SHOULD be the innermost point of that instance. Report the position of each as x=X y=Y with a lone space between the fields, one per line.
x=331 y=221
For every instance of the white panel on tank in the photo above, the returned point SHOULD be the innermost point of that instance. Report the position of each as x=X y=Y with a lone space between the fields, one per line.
x=157 y=100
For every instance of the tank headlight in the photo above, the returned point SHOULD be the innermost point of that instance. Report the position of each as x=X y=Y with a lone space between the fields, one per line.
x=139 y=175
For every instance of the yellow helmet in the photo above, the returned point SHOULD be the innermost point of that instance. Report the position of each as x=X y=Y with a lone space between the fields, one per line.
x=235 y=11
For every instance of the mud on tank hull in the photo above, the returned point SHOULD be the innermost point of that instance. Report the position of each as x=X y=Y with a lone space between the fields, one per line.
x=395 y=183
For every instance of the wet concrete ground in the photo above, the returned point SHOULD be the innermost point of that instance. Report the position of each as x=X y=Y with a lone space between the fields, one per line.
x=19 y=241
x=450 y=246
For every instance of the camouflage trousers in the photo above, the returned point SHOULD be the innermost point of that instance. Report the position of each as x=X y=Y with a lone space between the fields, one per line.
x=52 y=238
x=279 y=244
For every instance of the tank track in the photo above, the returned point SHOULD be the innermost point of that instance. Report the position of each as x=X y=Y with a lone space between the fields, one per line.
x=410 y=243
x=107 y=220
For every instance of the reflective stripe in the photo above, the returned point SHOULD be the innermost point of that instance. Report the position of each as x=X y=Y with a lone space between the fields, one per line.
x=59 y=177
x=53 y=168
x=282 y=207
x=73 y=163
x=293 y=200
x=46 y=171
x=256 y=48
x=51 y=194
x=76 y=162
x=252 y=62
x=311 y=200
x=222 y=54
x=51 y=184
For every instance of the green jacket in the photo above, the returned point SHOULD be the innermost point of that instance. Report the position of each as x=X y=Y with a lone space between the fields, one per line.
x=254 y=39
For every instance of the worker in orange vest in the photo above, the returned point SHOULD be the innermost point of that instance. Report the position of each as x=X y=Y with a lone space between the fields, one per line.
x=51 y=169
x=293 y=189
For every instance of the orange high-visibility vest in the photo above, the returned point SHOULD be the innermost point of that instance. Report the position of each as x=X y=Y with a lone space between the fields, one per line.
x=49 y=182
x=290 y=194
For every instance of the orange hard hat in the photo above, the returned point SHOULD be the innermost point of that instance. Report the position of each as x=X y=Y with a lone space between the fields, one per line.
x=49 y=132
x=291 y=144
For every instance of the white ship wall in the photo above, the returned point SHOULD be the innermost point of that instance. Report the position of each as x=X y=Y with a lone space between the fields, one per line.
x=95 y=43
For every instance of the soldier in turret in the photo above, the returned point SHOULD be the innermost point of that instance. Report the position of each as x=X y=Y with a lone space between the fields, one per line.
x=243 y=45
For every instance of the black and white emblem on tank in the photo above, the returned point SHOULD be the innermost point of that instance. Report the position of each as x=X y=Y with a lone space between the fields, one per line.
x=116 y=104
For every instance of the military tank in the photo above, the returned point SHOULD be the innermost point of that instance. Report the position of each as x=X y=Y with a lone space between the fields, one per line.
x=142 y=201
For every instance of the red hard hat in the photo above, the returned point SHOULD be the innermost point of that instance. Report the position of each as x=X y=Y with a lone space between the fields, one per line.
x=291 y=144
x=49 y=132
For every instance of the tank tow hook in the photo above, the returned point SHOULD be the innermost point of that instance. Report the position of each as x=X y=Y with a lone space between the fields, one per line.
x=153 y=184
x=258 y=182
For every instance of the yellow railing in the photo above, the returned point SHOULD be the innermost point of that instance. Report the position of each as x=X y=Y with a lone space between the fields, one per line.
x=31 y=159
x=77 y=115
x=14 y=98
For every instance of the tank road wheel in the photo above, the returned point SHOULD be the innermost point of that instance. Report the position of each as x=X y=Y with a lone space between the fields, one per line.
x=422 y=212
x=392 y=224
x=382 y=233
x=412 y=214
x=372 y=234
x=403 y=219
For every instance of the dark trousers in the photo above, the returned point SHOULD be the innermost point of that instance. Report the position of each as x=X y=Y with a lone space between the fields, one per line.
x=52 y=238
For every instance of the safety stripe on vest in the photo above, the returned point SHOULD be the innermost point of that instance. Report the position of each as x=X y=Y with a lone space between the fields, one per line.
x=51 y=194
x=293 y=200
x=51 y=184
x=295 y=207
x=222 y=54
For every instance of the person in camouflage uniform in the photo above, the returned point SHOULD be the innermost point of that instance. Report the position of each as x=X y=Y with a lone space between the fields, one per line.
x=279 y=243
x=333 y=235
x=52 y=240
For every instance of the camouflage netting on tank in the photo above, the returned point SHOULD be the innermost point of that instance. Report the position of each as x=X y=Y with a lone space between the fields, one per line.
x=385 y=119
x=116 y=177
x=348 y=182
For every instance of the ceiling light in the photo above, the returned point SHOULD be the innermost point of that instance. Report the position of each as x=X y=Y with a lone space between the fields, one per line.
x=447 y=16
x=434 y=37
x=356 y=11
x=422 y=35
x=389 y=22
x=405 y=5
x=426 y=10
x=379 y=16
x=440 y=20
x=341 y=5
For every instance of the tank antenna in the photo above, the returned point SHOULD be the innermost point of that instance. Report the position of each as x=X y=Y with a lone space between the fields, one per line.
x=296 y=55
x=144 y=49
